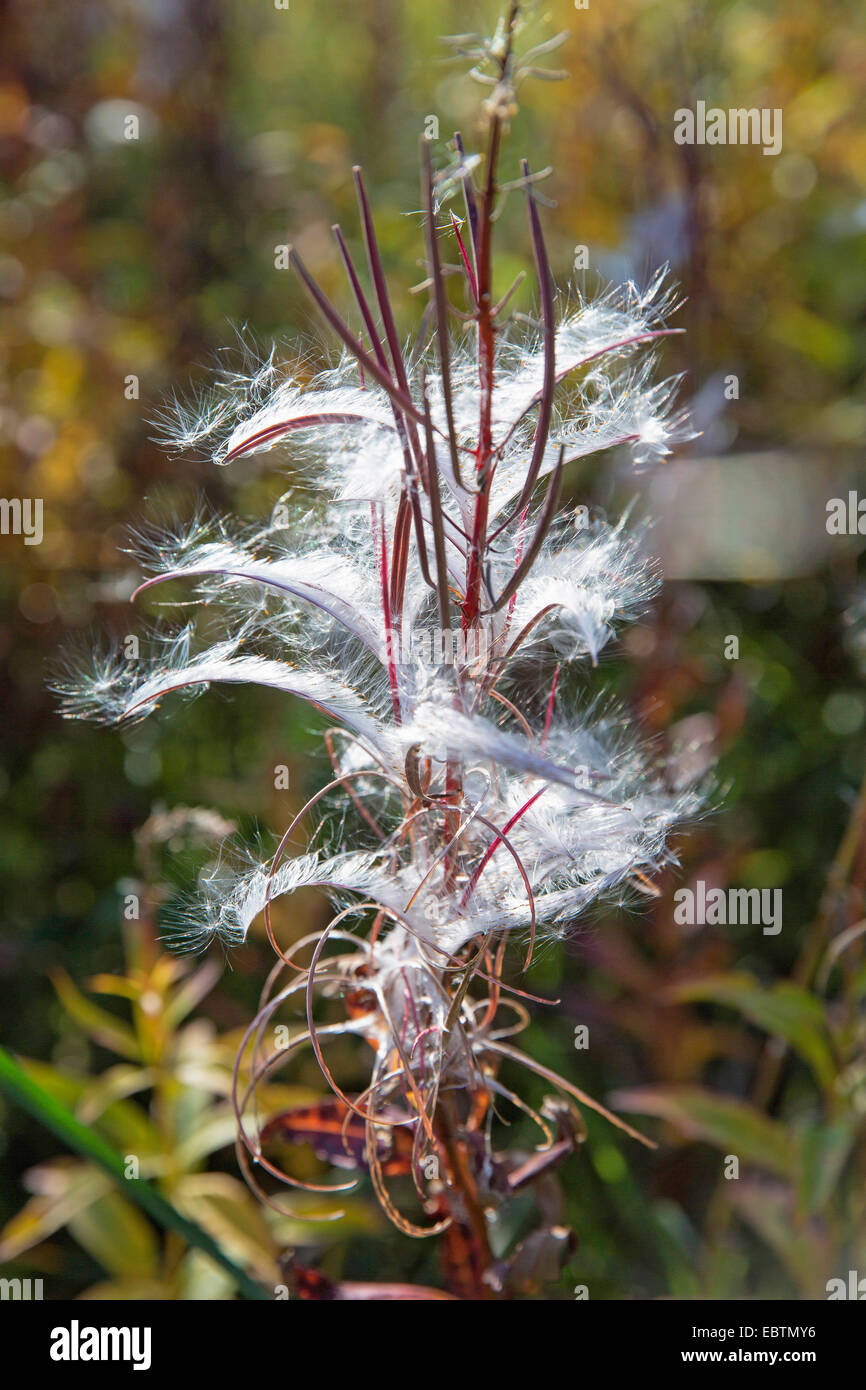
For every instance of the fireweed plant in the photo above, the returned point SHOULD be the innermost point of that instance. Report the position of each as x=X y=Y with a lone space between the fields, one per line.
x=428 y=602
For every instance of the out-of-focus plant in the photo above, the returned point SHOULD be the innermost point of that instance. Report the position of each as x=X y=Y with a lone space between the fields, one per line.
x=165 y=1107
x=434 y=602
x=800 y=1134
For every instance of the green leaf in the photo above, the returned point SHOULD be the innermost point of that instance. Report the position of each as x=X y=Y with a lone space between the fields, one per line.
x=225 y=1208
x=785 y=1011
x=200 y=1281
x=124 y=1124
x=110 y=1032
x=189 y=994
x=68 y=1188
x=728 y=1124
x=136 y=1290
x=117 y=1083
x=216 y=1130
x=769 y=1209
x=118 y=1237
x=824 y=1150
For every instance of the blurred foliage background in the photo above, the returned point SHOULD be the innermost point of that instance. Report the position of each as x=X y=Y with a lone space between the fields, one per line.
x=139 y=258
